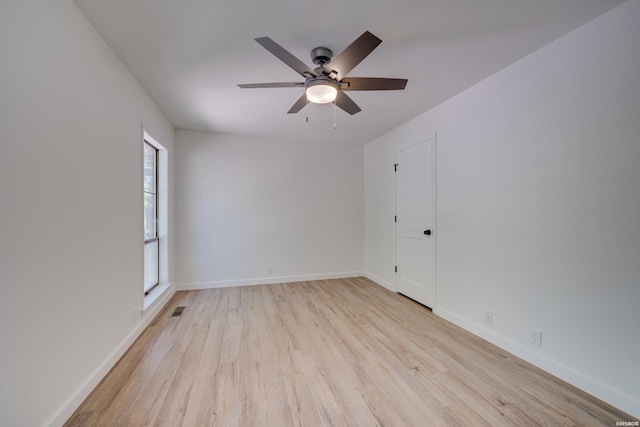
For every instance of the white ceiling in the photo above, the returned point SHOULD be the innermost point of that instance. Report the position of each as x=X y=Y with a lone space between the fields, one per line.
x=189 y=55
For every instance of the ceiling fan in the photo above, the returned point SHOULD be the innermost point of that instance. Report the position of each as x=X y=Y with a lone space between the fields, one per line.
x=328 y=82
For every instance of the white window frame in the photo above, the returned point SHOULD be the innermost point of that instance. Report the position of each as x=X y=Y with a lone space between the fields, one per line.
x=162 y=179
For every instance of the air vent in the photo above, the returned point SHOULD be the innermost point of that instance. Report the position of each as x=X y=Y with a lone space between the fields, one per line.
x=178 y=311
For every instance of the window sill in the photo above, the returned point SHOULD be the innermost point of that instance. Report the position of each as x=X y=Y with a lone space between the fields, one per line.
x=155 y=294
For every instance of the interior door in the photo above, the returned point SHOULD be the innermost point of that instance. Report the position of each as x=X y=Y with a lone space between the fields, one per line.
x=415 y=234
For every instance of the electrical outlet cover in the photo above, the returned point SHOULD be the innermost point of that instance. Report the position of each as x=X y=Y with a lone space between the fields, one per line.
x=488 y=318
x=536 y=337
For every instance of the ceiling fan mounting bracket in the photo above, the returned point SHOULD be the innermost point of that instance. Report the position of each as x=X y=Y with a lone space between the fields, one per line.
x=321 y=56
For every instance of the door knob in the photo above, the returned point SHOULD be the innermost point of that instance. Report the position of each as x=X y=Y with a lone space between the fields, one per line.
x=427 y=232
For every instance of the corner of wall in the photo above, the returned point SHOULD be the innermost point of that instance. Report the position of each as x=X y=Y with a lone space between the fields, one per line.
x=380 y=281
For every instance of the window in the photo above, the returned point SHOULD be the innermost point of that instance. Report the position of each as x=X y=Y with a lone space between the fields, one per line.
x=151 y=239
x=156 y=219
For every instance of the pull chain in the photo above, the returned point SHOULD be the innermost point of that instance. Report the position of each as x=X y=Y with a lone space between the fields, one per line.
x=334 y=114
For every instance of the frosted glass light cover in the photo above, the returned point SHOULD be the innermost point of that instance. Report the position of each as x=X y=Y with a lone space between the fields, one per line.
x=321 y=93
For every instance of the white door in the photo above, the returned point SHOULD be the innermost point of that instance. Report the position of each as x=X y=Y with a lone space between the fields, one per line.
x=415 y=241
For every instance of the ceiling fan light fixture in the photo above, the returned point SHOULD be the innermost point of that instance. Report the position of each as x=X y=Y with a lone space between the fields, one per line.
x=323 y=85
x=321 y=91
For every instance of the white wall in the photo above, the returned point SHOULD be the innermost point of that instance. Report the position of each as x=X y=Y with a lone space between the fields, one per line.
x=538 y=206
x=71 y=208
x=246 y=204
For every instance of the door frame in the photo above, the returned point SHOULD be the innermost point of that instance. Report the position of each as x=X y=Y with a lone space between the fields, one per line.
x=434 y=137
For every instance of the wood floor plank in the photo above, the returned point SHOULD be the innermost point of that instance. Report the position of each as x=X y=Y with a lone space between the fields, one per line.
x=342 y=352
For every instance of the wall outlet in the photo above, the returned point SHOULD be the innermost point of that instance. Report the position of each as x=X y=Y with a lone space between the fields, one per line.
x=536 y=337
x=488 y=318
x=269 y=271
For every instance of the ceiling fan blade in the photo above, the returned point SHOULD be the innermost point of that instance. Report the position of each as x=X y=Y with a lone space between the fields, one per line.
x=354 y=54
x=346 y=103
x=268 y=85
x=286 y=57
x=372 y=83
x=299 y=105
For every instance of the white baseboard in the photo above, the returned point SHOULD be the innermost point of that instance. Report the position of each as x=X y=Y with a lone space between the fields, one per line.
x=602 y=391
x=590 y=385
x=380 y=281
x=265 y=280
x=94 y=379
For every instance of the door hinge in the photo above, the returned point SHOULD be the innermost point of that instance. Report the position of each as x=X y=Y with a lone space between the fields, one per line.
x=395 y=167
x=395 y=218
x=396 y=268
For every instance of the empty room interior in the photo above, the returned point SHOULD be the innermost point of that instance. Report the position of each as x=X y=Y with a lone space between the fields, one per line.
x=188 y=236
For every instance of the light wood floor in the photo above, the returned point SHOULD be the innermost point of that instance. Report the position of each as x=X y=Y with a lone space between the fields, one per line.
x=324 y=353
